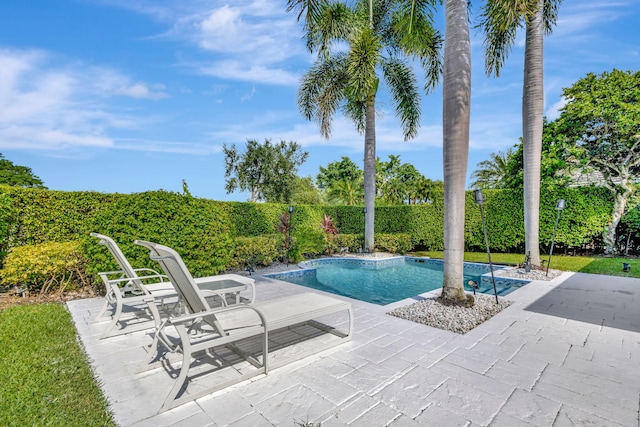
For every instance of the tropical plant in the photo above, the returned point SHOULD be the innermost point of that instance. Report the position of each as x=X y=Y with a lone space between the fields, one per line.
x=266 y=170
x=379 y=36
x=500 y=22
x=493 y=173
x=602 y=117
x=456 y=95
x=346 y=192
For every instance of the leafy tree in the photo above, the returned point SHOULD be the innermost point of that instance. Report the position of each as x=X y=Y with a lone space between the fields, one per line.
x=456 y=97
x=18 y=176
x=267 y=171
x=345 y=169
x=493 y=173
x=560 y=158
x=602 y=117
x=500 y=22
x=305 y=192
x=380 y=37
x=400 y=183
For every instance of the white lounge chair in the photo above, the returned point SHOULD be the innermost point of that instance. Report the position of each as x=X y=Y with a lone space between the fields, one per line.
x=134 y=286
x=205 y=331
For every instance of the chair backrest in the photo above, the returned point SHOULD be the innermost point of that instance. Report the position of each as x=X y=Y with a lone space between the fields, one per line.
x=122 y=261
x=182 y=280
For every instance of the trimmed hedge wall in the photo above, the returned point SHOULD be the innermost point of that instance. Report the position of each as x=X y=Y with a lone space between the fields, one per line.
x=213 y=236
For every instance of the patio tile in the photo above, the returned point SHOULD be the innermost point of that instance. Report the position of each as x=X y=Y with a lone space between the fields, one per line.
x=518 y=369
x=531 y=408
x=466 y=401
x=436 y=415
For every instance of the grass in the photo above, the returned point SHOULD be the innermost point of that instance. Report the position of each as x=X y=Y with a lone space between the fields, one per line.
x=44 y=376
x=611 y=266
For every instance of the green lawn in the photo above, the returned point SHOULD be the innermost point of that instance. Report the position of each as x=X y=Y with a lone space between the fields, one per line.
x=44 y=376
x=582 y=264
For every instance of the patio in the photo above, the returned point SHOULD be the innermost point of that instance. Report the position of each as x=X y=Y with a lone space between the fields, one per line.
x=567 y=352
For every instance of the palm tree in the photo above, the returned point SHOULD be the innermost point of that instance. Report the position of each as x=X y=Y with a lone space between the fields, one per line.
x=346 y=192
x=456 y=94
x=380 y=38
x=493 y=173
x=500 y=21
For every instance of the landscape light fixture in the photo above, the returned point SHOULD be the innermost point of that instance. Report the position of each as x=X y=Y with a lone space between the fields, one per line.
x=479 y=198
x=559 y=208
x=626 y=267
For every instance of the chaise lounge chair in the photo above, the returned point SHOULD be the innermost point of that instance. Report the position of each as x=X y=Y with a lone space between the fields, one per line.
x=126 y=287
x=224 y=331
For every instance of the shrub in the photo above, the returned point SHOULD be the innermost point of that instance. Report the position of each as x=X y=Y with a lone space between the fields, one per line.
x=252 y=251
x=46 y=267
x=399 y=243
x=351 y=241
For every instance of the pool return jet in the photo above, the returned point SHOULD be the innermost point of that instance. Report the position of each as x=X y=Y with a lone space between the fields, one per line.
x=479 y=198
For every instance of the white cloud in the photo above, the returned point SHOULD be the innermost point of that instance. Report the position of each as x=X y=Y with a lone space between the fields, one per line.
x=49 y=106
x=553 y=112
x=255 y=73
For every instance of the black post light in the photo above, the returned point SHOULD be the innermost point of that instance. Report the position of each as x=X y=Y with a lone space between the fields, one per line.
x=289 y=234
x=479 y=199
x=559 y=208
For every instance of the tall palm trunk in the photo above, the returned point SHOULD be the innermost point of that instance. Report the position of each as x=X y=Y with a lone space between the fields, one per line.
x=456 y=93
x=369 y=173
x=532 y=118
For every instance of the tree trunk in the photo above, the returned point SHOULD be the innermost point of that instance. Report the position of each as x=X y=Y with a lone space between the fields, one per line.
x=532 y=119
x=456 y=94
x=609 y=236
x=369 y=174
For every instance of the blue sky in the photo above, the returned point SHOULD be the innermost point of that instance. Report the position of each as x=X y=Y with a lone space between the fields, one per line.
x=135 y=95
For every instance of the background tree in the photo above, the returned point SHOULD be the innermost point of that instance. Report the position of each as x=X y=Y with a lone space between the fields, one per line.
x=400 y=183
x=346 y=192
x=493 y=173
x=456 y=97
x=559 y=160
x=500 y=22
x=305 y=192
x=380 y=37
x=345 y=169
x=18 y=176
x=267 y=171
x=602 y=117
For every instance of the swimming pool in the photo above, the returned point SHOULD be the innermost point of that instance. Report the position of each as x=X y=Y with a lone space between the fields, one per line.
x=385 y=281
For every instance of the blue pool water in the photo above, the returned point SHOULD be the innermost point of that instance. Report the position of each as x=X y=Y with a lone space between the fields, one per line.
x=385 y=281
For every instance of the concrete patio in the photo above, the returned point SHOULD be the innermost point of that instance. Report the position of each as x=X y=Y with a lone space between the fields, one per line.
x=566 y=353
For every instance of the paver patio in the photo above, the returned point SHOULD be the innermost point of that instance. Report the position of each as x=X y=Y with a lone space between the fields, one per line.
x=566 y=353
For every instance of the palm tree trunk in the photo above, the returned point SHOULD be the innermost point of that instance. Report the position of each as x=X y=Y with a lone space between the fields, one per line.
x=456 y=95
x=369 y=174
x=532 y=118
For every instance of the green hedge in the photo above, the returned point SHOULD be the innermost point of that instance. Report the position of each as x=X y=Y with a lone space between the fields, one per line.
x=213 y=236
x=200 y=230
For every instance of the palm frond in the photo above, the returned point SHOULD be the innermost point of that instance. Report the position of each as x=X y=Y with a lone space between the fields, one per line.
x=500 y=20
x=404 y=87
x=321 y=91
x=361 y=64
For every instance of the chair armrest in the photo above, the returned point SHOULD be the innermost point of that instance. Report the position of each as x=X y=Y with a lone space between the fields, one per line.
x=155 y=273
